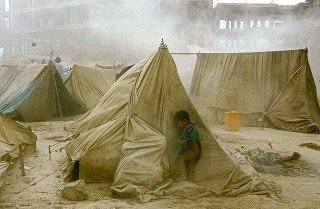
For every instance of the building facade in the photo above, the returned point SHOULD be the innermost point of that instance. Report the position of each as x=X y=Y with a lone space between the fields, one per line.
x=51 y=24
x=79 y=27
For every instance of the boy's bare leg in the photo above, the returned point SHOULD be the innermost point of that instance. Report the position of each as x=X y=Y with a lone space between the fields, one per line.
x=190 y=170
x=185 y=163
x=181 y=170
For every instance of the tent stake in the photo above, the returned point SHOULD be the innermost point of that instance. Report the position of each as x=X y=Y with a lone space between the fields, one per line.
x=49 y=152
x=21 y=161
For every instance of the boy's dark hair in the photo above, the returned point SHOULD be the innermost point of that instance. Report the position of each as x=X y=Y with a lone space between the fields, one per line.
x=181 y=115
x=57 y=60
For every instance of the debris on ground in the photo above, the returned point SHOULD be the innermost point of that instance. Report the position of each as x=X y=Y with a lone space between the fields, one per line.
x=54 y=137
x=311 y=146
x=294 y=156
x=284 y=163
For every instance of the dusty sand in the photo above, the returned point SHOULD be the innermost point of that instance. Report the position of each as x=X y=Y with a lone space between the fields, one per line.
x=298 y=191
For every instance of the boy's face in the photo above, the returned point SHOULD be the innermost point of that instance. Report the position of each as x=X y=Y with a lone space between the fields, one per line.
x=183 y=123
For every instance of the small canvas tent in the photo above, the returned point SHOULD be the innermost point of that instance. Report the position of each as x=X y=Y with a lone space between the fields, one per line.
x=87 y=85
x=12 y=134
x=35 y=93
x=277 y=87
x=129 y=136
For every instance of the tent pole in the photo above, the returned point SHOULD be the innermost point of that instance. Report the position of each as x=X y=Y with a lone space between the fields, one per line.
x=21 y=161
x=184 y=53
x=57 y=92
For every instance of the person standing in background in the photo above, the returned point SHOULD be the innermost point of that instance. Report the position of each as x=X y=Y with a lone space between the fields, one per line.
x=62 y=69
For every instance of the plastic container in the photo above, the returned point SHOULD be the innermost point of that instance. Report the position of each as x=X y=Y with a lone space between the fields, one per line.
x=232 y=121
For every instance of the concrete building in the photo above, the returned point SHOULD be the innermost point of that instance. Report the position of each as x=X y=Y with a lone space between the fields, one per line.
x=245 y=26
x=52 y=24
x=78 y=27
x=314 y=7
x=68 y=26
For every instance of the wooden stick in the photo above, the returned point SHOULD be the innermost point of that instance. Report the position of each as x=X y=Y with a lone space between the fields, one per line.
x=58 y=97
x=34 y=183
x=49 y=152
x=21 y=161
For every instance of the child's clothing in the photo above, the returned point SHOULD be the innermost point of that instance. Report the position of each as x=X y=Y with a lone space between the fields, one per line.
x=190 y=146
x=188 y=152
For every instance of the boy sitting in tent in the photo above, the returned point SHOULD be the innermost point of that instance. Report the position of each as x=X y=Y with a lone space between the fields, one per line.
x=188 y=148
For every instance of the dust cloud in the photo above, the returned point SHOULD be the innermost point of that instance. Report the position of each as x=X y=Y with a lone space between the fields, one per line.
x=132 y=30
x=138 y=28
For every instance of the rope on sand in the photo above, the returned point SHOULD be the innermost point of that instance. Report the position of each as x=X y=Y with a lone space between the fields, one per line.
x=32 y=184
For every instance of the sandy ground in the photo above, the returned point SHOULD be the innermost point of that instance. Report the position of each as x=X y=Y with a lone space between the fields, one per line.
x=299 y=191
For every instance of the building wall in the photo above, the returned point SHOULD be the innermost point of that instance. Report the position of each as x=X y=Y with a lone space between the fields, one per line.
x=53 y=24
x=64 y=25
x=44 y=15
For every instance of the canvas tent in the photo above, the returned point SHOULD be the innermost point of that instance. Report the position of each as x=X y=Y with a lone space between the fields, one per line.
x=7 y=62
x=12 y=135
x=35 y=93
x=87 y=85
x=277 y=87
x=129 y=136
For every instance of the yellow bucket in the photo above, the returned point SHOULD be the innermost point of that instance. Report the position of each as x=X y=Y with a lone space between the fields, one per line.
x=232 y=121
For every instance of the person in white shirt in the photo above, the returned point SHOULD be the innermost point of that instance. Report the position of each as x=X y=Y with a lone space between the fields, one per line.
x=62 y=69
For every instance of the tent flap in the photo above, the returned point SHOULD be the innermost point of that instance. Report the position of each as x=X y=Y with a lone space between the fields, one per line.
x=143 y=163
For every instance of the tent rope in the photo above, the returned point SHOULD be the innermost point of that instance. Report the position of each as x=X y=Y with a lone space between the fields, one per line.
x=32 y=184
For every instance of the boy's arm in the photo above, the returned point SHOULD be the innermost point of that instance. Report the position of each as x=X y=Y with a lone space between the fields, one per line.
x=194 y=135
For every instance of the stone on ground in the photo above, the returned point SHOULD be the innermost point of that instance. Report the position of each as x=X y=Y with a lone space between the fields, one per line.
x=75 y=191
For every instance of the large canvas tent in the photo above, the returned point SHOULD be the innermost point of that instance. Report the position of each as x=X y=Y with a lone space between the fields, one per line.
x=129 y=136
x=35 y=93
x=87 y=85
x=12 y=134
x=275 y=87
